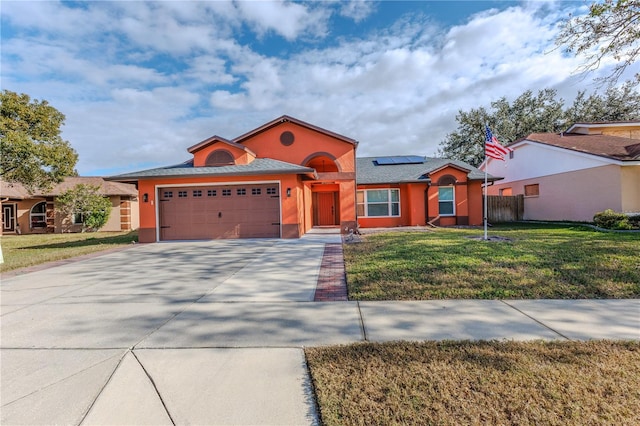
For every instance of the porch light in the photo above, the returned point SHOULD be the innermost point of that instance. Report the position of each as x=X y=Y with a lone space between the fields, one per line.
x=288 y=192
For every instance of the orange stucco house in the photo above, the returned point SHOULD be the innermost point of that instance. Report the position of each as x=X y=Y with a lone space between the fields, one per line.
x=288 y=176
x=420 y=190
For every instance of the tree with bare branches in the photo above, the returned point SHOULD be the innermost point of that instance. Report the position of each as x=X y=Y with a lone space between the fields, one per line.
x=610 y=30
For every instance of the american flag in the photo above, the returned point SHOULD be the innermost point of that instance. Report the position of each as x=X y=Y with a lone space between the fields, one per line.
x=492 y=147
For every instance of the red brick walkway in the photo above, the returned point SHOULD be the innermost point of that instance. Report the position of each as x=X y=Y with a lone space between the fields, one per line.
x=332 y=281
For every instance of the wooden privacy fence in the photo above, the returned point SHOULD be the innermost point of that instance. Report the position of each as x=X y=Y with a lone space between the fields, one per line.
x=502 y=208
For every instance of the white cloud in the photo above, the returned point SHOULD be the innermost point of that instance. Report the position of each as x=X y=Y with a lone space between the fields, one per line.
x=140 y=82
x=53 y=17
x=287 y=19
x=357 y=10
x=224 y=99
x=209 y=70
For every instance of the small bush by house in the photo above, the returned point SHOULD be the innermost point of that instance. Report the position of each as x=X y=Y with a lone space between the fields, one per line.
x=609 y=219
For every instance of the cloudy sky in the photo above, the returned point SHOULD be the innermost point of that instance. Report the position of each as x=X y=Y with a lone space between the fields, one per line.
x=139 y=82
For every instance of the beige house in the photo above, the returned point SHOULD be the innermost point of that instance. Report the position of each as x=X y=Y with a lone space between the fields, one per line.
x=573 y=175
x=36 y=213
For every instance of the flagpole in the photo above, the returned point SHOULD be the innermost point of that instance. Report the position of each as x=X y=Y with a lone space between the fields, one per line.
x=492 y=149
x=486 y=164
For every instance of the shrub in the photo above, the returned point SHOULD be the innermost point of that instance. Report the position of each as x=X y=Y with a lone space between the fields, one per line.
x=634 y=220
x=86 y=201
x=609 y=219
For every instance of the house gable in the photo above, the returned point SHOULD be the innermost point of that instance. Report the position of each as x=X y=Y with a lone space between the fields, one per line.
x=297 y=142
x=217 y=151
x=458 y=173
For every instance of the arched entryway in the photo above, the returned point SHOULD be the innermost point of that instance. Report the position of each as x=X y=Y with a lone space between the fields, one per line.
x=322 y=162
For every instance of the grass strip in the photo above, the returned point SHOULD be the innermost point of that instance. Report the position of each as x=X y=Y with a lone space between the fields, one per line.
x=21 y=251
x=453 y=383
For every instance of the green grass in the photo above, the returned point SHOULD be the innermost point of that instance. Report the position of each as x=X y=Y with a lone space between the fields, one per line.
x=454 y=383
x=20 y=251
x=538 y=261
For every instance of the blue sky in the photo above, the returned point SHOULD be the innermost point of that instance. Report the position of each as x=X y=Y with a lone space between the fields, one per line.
x=139 y=82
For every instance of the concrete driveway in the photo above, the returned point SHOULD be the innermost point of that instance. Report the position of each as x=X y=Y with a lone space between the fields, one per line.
x=212 y=333
x=93 y=328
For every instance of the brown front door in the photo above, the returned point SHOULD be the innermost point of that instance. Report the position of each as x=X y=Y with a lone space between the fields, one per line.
x=326 y=209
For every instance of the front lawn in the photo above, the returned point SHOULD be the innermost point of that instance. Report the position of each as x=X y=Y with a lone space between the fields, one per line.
x=454 y=383
x=530 y=262
x=20 y=251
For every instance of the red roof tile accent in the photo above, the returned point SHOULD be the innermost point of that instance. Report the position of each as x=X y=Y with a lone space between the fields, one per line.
x=617 y=148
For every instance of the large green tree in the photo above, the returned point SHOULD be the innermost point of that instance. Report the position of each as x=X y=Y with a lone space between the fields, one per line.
x=86 y=205
x=32 y=152
x=611 y=29
x=533 y=113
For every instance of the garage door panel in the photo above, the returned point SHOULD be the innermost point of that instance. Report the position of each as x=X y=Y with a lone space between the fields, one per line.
x=212 y=212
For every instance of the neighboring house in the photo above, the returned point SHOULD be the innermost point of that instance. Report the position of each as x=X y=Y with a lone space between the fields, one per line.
x=36 y=213
x=573 y=175
x=284 y=178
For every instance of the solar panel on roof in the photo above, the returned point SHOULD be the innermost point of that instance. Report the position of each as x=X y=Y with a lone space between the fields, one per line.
x=415 y=159
x=384 y=161
x=399 y=159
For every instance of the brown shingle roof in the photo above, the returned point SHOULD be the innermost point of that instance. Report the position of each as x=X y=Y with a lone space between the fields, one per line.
x=15 y=191
x=18 y=191
x=617 y=148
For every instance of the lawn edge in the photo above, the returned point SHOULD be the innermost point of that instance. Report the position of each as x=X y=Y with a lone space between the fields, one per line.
x=47 y=265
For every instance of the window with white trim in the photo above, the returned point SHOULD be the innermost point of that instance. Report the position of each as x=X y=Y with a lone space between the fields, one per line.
x=378 y=202
x=38 y=215
x=446 y=201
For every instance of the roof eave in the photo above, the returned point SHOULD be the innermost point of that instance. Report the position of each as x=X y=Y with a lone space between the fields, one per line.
x=593 y=154
x=214 y=139
x=604 y=124
x=136 y=178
